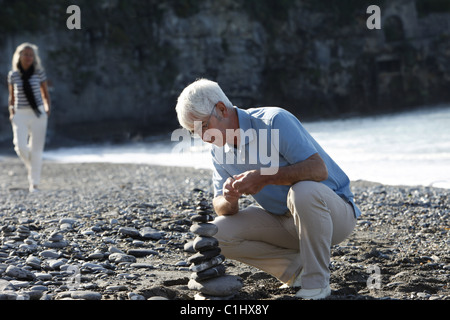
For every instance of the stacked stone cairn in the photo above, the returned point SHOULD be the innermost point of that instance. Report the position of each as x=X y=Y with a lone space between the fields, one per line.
x=209 y=277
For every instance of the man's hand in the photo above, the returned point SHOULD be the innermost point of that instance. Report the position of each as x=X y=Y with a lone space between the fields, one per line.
x=250 y=182
x=228 y=203
x=229 y=192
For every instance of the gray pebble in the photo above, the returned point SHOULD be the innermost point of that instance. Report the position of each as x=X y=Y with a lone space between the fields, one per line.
x=151 y=234
x=207 y=264
x=86 y=295
x=43 y=276
x=142 y=266
x=6 y=285
x=205 y=243
x=135 y=296
x=70 y=221
x=116 y=288
x=141 y=252
x=121 y=257
x=8 y=295
x=57 y=244
x=204 y=229
x=219 y=287
x=49 y=254
x=128 y=231
x=33 y=262
x=19 y=273
x=96 y=256
x=56 y=236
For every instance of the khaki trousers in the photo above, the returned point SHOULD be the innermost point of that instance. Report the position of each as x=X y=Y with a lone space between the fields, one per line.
x=298 y=242
x=29 y=133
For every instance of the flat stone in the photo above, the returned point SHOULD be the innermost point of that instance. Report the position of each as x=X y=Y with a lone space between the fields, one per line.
x=43 y=276
x=5 y=285
x=141 y=252
x=117 y=288
x=57 y=244
x=19 y=273
x=39 y=288
x=151 y=234
x=91 y=265
x=34 y=294
x=204 y=255
x=20 y=284
x=157 y=298
x=135 y=296
x=189 y=247
x=86 y=295
x=113 y=249
x=56 y=236
x=205 y=243
x=49 y=254
x=141 y=266
x=96 y=256
x=202 y=218
x=221 y=286
x=129 y=231
x=120 y=257
x=68 y=221
x=56 y=263
x=207 y=264
x=8 y=295
x=87 y=232
x=209 y=273
x=33 y=262
x=204 y=229
x=204 y=210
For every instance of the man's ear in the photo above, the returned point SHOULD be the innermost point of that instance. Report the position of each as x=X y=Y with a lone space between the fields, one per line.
x=222 y=110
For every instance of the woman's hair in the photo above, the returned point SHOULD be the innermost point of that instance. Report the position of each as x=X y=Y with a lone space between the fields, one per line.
x=198 y=100
x=16 y=57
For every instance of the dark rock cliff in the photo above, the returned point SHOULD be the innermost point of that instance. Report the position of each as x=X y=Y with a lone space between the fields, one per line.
x=119 y=76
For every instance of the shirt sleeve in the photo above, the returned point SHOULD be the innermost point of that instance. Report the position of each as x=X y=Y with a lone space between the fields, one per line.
x=10 y=77
x=219 y=177
x=42 y=76
x=295 y=144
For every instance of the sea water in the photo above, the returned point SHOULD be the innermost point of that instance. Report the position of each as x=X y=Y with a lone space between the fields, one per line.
x=409 y=148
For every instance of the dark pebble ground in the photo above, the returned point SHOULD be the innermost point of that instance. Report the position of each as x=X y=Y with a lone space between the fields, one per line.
x=81 y=237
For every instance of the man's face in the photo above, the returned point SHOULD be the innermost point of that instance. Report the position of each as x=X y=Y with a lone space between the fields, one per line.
x=214 y=133
x=213 y=129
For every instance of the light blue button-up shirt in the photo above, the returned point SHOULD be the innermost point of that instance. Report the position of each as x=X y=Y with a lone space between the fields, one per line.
x=272 y=137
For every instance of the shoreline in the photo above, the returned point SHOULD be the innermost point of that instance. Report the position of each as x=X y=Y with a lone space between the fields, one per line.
x=12 y=157
x=403 y=230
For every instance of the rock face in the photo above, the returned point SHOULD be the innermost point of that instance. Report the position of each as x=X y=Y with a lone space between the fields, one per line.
x=208 y=275
x=119 y=76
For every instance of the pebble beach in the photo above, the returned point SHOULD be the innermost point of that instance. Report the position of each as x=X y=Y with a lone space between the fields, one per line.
x=103 y=231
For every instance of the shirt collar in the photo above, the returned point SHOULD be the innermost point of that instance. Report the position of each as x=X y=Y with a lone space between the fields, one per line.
x=245 y=124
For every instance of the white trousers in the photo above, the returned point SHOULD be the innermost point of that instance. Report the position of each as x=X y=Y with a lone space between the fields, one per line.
x=29 y=133
x=297 y=243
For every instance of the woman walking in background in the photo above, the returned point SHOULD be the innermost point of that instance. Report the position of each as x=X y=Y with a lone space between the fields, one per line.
x=29 y=107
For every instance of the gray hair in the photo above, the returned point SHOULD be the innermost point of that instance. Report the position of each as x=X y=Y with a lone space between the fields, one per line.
x=16 y=57
x=197 y=100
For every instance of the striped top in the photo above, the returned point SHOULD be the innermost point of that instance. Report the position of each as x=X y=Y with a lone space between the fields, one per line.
x=20 y=99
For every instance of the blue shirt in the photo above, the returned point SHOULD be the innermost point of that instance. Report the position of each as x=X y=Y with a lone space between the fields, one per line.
x=272 y=137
